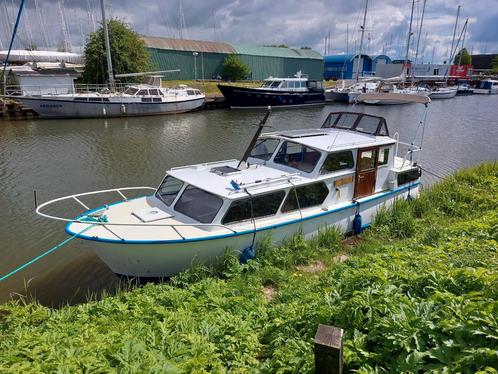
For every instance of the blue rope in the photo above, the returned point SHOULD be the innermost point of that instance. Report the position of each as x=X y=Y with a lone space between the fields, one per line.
x=53 y=249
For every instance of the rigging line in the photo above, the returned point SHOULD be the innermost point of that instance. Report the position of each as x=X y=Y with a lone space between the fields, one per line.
x=46 y=253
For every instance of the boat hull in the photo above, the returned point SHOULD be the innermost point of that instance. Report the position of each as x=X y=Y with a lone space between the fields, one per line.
x=69 y=108
x=443 y=95
x=165 y=259
x=486 y=91
x=342 y=97
x=242 y=97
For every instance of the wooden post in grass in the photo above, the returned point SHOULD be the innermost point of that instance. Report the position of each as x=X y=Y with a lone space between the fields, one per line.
x=328 y=350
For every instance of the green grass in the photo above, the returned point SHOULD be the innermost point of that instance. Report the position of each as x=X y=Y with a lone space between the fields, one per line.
x=418 y=293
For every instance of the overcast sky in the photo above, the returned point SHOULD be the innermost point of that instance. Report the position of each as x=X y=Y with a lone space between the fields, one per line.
x=262 y=22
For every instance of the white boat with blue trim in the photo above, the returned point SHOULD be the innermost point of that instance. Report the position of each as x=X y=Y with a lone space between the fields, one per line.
x=287 y=182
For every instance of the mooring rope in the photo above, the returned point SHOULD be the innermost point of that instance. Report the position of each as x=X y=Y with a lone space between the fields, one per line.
x=39 y=257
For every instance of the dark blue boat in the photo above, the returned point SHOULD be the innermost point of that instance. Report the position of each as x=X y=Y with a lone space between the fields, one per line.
x=276 y=92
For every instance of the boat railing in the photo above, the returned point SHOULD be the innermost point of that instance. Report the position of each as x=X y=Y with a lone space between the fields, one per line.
x=204 y=164
x=61 y=89
x=92 y=216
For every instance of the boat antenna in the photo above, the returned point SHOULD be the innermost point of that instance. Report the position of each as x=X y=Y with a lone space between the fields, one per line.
x=10 y=47
x=107 y=47
x=361 y=41
x=247 y=153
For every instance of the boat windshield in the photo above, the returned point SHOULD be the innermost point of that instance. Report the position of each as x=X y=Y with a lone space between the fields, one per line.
x=198 y=204
x=264 y=148
x=275 y=84
x=168 y=190
x=267 y=84
x=130 y=91
x=297 y=156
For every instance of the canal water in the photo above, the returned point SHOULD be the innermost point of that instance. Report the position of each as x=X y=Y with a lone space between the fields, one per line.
x=62 y=157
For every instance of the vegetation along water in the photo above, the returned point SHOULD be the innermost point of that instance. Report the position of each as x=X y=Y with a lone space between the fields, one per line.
x=418 y=291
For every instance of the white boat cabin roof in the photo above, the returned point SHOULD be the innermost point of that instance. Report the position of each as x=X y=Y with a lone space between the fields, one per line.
x=225 y=179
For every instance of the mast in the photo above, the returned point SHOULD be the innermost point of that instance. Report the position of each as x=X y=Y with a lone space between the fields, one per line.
x=454 y=34
x=4 y=74
x=408 y=39
x=107 y=47
x=420 y=31
x=463 y=41
x=361 y=41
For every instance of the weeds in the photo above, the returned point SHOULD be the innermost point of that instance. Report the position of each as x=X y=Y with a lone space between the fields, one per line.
x=417 y=294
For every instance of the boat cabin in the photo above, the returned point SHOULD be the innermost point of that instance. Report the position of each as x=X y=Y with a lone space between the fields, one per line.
x=147 y=90
x=291 y=84
x=291 y=173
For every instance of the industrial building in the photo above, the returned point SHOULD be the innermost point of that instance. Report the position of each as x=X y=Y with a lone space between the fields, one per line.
x=483 y=63
x=203 y=60
x=344 y=66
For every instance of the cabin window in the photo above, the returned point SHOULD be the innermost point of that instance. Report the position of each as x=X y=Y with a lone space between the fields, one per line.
x=297 y=156
x=367 y=159
x=383 y=157
x=337 y=161
x=154 y=92
x=262 y=205
x=190 y=92
x=264 y=148
x=368 y=125
x=309 y=195
x=199 y=204
x=168 y=190
x=267 y=84
x=197 y=92
x=275 y=84
x=142 y=92
x=130 y=91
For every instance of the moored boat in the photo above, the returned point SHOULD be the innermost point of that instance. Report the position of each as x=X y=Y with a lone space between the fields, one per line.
x=487 y=87
x=443 y=93
x=290 y=181
x=276 y=92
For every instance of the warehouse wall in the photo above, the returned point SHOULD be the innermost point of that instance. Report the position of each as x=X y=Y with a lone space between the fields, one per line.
x=261 y=67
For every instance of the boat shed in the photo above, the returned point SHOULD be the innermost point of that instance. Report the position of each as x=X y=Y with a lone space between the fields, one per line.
x=344 y=66
x=203 y=60
x=379 y=60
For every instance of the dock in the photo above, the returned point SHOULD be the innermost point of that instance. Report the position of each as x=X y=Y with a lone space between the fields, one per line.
x=11 y=110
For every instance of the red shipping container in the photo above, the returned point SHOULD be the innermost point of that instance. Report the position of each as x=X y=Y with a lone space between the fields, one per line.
x=461 y=71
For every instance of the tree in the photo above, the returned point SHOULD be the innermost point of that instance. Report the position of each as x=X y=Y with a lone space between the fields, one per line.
x=494 y=64
x=234 y=68
x=128 y=52
x=466 y=59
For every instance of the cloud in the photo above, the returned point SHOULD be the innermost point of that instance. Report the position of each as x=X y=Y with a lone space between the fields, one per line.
x=293 y=22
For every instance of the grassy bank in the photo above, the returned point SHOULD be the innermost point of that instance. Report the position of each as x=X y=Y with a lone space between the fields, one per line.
x=417 y=292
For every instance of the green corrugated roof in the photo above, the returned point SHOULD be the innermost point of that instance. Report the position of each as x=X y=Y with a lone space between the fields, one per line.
x=245 y=49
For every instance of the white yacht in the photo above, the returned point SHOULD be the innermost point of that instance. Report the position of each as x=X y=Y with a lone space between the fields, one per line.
x=135 y=100
x=288 y=181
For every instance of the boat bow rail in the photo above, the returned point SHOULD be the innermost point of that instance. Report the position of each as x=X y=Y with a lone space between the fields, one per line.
x=92 y=216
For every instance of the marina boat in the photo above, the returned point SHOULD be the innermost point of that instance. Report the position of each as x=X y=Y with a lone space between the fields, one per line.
x=392 y=95
x=276 y=92
x=135 y=100
x=487 y=87
x=290 y=181
x=443 y=93
x=464 y=90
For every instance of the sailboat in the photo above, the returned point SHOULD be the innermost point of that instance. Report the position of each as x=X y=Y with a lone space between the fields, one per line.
x=134 y=100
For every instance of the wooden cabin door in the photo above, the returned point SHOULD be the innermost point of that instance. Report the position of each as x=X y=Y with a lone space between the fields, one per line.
x=366 y=171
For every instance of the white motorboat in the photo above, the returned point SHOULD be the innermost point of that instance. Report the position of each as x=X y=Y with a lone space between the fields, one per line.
x=443 y=93
x=487 y=87
x=135 y=100
x=288 y=181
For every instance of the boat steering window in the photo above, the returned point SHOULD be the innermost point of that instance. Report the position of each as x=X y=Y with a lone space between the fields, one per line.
x=267 y=84
x=309 y=195
x=130 y=91
x=262 y=206
x=275 y=84
x=383 y=157
x=198 y=204
x=264 y=148
x=168 y=190
x=297 y=156
x=142 y=93
x=337 y=161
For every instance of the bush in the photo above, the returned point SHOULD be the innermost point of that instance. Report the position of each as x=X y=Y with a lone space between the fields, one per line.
x=234 y=68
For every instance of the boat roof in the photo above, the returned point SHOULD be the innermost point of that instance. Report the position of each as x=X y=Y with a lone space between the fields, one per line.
x=285 y=79
x=257 y=178
x=331 y=139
